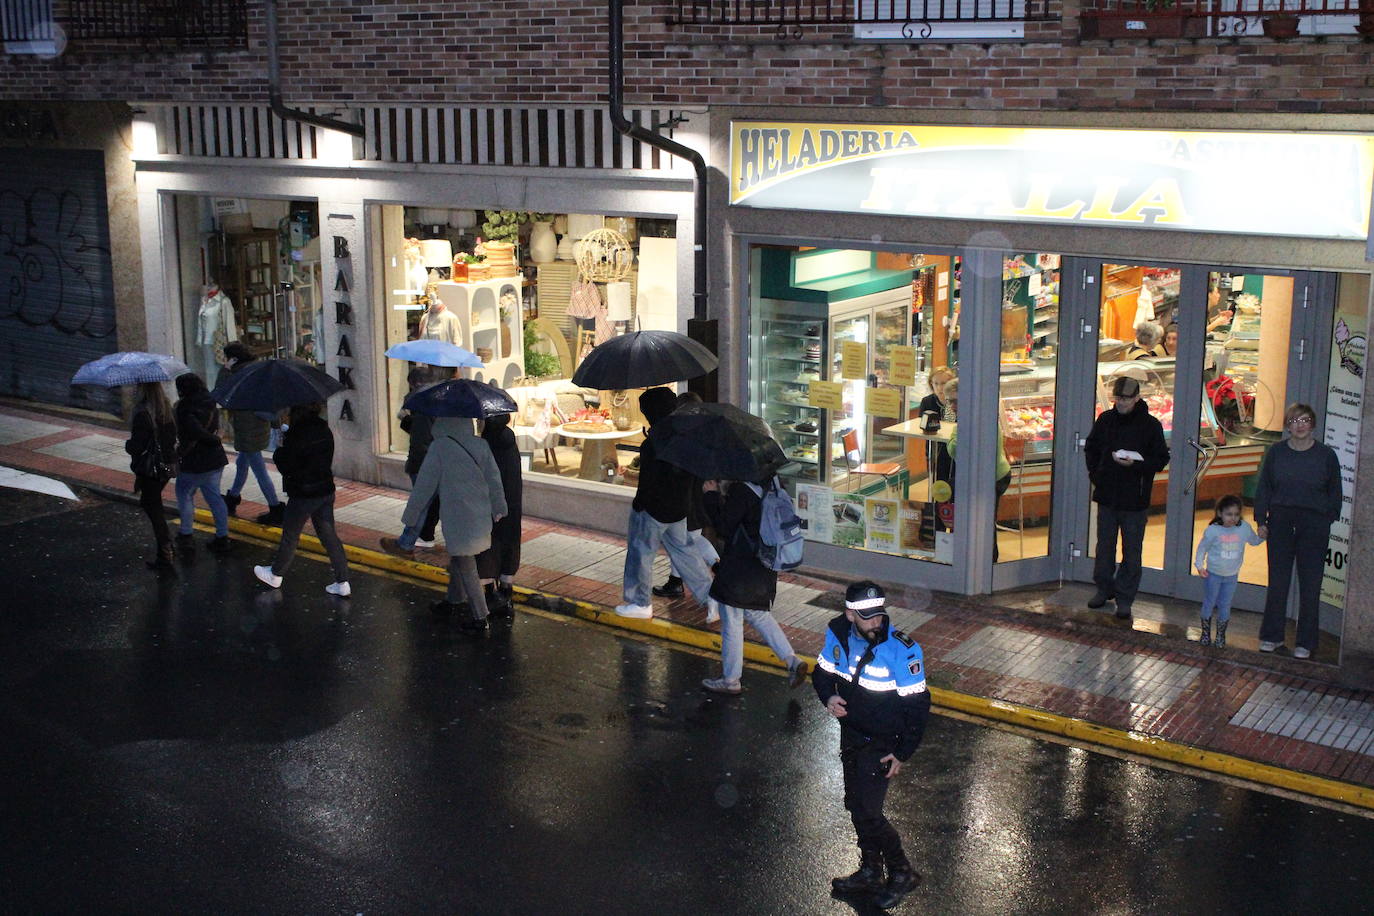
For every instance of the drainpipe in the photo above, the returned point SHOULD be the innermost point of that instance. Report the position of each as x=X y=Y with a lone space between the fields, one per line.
x=274 y=87
x=701 y=327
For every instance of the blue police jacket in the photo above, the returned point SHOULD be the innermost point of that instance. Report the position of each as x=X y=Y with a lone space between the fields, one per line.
x=882 y=683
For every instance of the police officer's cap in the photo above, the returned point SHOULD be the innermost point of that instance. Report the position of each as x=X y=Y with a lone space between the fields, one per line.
x=867 y=599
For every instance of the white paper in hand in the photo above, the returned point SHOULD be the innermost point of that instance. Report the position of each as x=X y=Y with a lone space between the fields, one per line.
x=1123 y=453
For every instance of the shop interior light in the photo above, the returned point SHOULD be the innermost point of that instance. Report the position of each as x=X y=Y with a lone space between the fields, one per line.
x=335 y=148
x=436 y=252
x=144 y=130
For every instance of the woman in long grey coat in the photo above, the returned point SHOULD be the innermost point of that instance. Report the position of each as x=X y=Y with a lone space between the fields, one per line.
x=457 y=464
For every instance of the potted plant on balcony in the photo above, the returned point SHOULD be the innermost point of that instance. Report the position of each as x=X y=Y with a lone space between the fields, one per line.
x=1145 y=19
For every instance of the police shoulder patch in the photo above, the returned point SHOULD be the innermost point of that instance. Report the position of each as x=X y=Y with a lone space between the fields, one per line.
x=838 y=655
x=914 y=666
x=902 y=638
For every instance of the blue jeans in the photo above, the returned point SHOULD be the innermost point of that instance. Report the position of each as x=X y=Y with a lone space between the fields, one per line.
x=645 y=536
x=1217 y=593
x=258 y=464
x=732 y=638
x=208 y=482
x=704 y=548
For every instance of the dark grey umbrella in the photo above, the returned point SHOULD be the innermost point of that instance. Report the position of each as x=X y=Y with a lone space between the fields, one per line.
x=461 y=397
x=643 y=359
x=717 y=442
x=271 y=384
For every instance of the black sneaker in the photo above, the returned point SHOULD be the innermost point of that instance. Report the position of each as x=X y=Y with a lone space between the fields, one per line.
x=1098 y=600
x=1123 y=612
x=670 y=589
x=901 y=882
x=473 y=627
x=221 y=545
x=867 y=880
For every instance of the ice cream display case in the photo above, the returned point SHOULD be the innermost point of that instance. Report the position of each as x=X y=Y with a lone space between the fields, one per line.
x=1156 y=379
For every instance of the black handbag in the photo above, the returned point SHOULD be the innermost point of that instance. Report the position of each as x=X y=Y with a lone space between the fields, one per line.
x=151 y=463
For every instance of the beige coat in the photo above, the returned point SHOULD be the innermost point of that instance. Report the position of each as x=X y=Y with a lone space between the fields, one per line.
x=459 y=467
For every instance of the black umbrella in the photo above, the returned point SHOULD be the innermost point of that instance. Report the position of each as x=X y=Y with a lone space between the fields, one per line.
x=643 y=359
x=272 y=384
x=461 y=397
x=717 y=442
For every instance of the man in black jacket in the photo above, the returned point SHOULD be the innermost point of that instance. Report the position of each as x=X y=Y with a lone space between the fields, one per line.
x=872 y=679
x=1124 y=451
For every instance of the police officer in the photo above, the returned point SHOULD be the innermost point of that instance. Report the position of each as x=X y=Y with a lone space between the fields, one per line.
x=872 y=678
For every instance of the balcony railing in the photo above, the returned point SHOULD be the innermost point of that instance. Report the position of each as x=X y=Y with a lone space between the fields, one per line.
x=183 y=23
x=1197 y=18
x=787 y=14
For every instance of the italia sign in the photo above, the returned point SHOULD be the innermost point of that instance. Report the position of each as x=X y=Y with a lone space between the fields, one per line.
x=1304 y=184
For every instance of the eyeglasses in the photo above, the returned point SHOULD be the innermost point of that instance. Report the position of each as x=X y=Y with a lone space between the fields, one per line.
x=1300 y=421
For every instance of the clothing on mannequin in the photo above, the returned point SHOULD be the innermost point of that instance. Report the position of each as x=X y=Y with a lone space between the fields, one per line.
x=440 y=324
x=215 y=329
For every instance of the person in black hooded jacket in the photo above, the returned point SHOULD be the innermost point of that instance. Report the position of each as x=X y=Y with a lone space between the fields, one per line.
x=201 y=460
x=1122 y=487
x=306 y=461
x=498 y=564
x=153 y=431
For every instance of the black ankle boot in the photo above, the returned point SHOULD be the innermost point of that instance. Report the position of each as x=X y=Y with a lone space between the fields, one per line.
x=231 y=503
x=1206 y=639
x=867 y=880
x=498 y=605
x=1220 y=641
x=670 y=589
x=272 y=516
x=901 y=881
x=162 y=559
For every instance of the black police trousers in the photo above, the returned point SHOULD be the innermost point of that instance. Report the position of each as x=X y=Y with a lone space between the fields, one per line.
x=865 y=789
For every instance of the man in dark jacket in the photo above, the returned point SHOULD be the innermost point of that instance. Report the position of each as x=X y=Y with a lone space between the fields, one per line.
x=872 y=678
x=306 y=461
x=658 y=517
x=1124 y=451
x=501 y=561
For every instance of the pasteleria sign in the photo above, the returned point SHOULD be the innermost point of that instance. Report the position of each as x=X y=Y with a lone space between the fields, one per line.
x=1314 y=185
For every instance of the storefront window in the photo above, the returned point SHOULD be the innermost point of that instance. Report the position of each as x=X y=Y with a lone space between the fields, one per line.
x=848 y=348
x=530 y=294
x=1029 y=364
x=249 y=272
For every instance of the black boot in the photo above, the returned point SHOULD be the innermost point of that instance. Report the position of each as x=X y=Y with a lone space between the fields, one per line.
x=1220 y=641
x=231 y=502
x=497 y=603
x=186 y=544
x=471 y=626
x=670 y=589
x=901 y=880
x=867 y=880
x=272 y=516
x=221 y=545
x=162 y=559
x=443 y=610
x=1099 y=599
x=1206 y=638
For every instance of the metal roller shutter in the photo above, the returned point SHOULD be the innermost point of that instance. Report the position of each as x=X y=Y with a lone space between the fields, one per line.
x=56 y=288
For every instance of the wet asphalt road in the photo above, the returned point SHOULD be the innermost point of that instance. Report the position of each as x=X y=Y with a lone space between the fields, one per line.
x=196 y=743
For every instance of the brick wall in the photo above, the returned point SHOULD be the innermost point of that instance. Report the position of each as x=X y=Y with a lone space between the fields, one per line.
x=554 y=52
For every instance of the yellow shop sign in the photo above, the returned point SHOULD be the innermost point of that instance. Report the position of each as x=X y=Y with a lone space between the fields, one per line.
x=1310 y=184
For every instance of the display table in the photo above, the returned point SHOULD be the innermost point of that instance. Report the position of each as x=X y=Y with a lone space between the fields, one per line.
x=596 y=448
x=911 y=429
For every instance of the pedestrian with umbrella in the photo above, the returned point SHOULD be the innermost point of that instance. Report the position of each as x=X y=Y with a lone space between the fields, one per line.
x=729 y=449
x=201 y=460
x=498 y=564
x=252 y=432
x=459 y=468
x=152 y=443
x=643 y=359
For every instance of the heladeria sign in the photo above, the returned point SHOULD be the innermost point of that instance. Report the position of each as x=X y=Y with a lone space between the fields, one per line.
x=1313 y=185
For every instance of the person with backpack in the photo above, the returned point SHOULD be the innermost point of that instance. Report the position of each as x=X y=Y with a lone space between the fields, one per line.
x=252 y=434
x=152 y=447
x=658 y=518
x=744 y=588
x=696 y=521
x=201 y=461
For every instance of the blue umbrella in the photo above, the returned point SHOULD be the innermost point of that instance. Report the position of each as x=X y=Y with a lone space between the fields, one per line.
x=130 y=367
x=461 y=397
x=434 y=353
x=271 y=384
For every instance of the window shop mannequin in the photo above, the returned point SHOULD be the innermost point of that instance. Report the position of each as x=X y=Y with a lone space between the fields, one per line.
x=439 y=324
x=214 y=329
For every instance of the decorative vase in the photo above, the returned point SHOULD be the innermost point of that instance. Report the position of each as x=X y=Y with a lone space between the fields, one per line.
x=505 y=340
x=543 y=243
x=565 y=249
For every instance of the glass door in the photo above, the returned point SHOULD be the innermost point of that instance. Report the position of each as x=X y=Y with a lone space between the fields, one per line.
x=849 y=433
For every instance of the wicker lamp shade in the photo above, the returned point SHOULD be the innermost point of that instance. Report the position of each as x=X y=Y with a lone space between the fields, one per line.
x=603 y=256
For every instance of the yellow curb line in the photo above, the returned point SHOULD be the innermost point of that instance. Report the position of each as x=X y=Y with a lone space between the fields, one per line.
x=1080 y=730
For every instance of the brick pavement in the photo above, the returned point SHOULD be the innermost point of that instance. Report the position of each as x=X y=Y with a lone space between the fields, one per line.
x=1227 y=702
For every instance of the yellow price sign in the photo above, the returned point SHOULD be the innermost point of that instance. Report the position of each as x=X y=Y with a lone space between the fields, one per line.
x=853 y=360
x=883 y=402
x=902 y=365
x=829 y=395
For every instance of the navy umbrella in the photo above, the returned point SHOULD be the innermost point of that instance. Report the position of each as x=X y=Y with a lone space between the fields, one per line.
x=717 y=442
x=271 y=384
x=643 y=359
x=461 y=397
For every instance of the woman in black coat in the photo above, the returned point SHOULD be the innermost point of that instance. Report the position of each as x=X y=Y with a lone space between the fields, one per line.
x=201 y=460
x=744 y=588
x=152 y=443
x=498 y=564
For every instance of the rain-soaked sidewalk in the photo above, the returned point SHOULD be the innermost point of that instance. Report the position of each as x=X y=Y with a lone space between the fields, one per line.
x=1271 y=711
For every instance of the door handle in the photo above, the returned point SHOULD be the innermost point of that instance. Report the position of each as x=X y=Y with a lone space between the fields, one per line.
x=1207 y=456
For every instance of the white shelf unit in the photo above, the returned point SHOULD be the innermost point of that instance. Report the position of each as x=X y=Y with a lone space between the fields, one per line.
x=477 y=306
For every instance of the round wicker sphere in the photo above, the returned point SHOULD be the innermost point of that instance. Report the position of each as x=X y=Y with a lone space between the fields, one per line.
x=604 y=255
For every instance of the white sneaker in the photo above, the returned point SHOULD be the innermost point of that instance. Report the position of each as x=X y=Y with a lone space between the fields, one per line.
x=342 y=589
x=265 y=576
x=640 y=611
x=1267 y=646
x=421 y=542
x=712 y=610
x=1300 y=652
